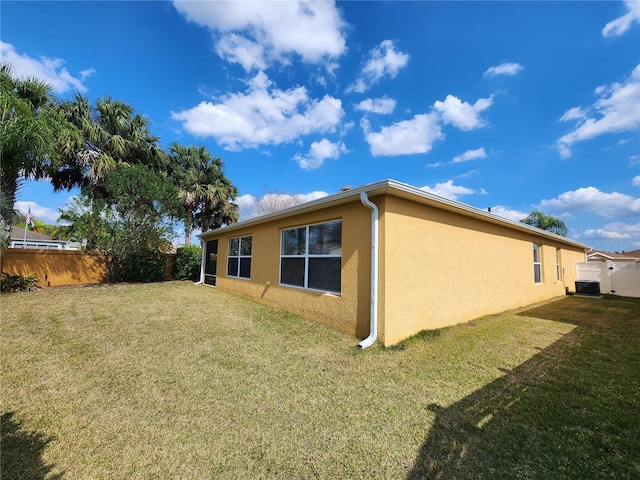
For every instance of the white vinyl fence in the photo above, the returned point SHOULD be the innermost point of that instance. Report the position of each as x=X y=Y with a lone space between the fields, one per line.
x=617 y=278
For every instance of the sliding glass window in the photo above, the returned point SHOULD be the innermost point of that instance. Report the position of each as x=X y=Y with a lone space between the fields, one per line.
x=311 y=256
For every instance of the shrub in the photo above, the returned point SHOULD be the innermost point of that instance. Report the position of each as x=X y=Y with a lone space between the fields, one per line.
x=137 y=266
x=187 y=263
x=18 y=283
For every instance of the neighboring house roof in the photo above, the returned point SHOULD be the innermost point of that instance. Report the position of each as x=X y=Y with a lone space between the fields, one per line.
x=401 y=190
x=633 y=255
x=34 y=240
x=17 y=234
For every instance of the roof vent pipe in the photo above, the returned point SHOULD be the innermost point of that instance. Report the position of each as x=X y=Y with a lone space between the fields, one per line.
x=373 y=317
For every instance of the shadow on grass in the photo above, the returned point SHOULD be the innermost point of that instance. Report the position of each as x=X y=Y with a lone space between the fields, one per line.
x=571 y=411
x=21 y=452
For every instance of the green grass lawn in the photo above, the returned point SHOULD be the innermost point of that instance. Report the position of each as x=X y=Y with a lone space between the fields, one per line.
x=177 y=381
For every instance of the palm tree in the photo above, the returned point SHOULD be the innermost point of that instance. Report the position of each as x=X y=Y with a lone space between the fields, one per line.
x=6 y=211
x=546 y=222
x=113 y=135
x=206 y=193
x=221 y=210
x=32 y=131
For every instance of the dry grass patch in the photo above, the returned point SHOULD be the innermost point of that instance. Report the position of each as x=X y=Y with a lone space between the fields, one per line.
x=175 y=381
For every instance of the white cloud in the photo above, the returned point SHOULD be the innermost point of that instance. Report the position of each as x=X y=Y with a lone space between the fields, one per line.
x=616 y=232
x=618 y=110
x=345 y=127
x=38 y=212
x=449 y=190
x=319 y=152
x=384 y=60
x=418 y=134
x=470 y=155
x=316 y=194
x=621 y=24
x=263 y=115
x=382 y=106
x=505 y=68
x=241 y=50
x=245 y=201
x=590 y=199
x=84 y=74
x=49 y=70
x=506 y=212
x=404 y=138
x=468 y=174
x=575 y=113
x=636 y=181
x=320 y=80
x=436 y=164
x=461 y=114
x=264 y=32
x=465 y=157
x=602 y=233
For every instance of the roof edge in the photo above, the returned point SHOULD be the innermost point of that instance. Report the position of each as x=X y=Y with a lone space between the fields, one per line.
x=618 y=256
x=470 y=210
x=336 y=198
x=391 y=186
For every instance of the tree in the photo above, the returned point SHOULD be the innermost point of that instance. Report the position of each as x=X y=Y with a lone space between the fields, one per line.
x=546 y=222
x=6 y=211
x=206 y=193
x=220 y=210
x=113 y=135
x=129 y=223
x=272 y=201
x=33 y=133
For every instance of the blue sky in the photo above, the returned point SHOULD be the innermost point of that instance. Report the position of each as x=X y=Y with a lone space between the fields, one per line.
x=510 y=105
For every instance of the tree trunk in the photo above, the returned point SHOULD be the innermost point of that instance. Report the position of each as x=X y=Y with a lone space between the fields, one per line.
x=188 y=227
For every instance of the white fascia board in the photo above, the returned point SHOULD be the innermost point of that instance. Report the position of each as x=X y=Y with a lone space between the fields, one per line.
x=324 y=202
x=599 y=254
x=402 y=190
x=468 y=210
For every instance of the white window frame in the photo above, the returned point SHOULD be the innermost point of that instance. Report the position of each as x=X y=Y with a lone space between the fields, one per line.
x=558 y=264
x=239 y=256
x=537 y=263
x=307 y=256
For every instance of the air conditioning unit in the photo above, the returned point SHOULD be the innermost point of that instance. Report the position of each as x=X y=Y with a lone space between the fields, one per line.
x=589 y=288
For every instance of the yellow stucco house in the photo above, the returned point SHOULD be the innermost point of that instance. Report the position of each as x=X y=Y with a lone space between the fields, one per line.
x=386 y=260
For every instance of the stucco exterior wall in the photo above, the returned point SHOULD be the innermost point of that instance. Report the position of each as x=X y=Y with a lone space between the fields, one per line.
x=347 y=311
x=570 y=260
x=442 y=268
x=54 y=267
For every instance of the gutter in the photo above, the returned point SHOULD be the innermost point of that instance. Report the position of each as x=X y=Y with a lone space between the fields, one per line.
x=401 y=190
x=373 y=316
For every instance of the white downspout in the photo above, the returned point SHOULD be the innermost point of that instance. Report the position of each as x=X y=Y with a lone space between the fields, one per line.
x=204 y=253
x=373 y=328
